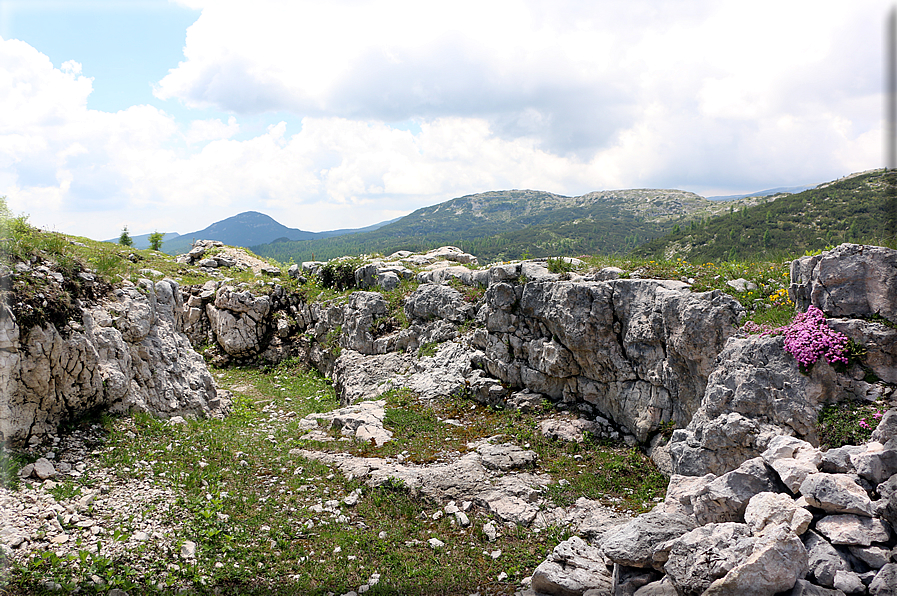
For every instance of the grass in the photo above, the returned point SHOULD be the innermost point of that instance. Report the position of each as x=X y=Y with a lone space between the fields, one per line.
x=768 y=303
x=248 y=504
x=848 y=423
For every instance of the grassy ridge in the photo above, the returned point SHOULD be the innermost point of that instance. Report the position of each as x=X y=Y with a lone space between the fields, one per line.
x=857 y=209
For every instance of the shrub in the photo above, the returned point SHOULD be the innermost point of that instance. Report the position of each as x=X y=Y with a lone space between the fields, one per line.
x=338 y=275
x=125 y=238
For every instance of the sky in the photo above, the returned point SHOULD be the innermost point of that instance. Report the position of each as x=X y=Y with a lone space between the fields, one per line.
x=171 y=115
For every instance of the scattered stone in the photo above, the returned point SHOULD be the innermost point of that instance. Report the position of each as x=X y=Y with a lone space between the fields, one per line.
x=632 y=545
x=853 y=529
x=685 y=559
x=727 y=497
x=768 y=510
x=885 y=582
x=188 y=550
x=778 y=560
x=573 y=567
x=44 y=469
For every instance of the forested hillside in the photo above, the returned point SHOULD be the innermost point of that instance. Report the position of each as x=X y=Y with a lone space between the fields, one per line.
x=853 y=209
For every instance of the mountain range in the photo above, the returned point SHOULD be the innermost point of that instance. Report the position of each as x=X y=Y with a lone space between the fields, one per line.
x=244 y=229
x=510 y=224
x=502 y=225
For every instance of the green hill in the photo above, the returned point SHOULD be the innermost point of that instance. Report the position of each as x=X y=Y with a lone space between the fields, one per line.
x=852 y=209
x=507 y=224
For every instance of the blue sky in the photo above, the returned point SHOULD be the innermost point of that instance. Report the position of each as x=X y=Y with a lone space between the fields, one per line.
x=169 y=116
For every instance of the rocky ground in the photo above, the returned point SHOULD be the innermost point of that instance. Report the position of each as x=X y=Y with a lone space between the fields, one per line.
x=485 y=430
x=310 y=500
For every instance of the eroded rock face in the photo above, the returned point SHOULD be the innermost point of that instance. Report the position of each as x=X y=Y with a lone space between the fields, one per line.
x=238 y=320
x=756 y=393
x=637 y=351
x=851 y=280
x=128 y=354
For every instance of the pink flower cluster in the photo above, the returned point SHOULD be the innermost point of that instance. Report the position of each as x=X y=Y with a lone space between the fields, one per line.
x=808 y=338
x=753 y=328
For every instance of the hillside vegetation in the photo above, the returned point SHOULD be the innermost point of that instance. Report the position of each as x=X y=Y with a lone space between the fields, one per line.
x=853 y=209
x=504 y=225
x=509 y=224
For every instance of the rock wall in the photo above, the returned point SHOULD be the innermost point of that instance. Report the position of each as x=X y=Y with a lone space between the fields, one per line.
x=127 y=353
x=754 y=506
x=757 y=390
x=638 y=352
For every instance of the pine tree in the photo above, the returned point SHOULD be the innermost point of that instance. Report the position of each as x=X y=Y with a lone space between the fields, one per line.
x=125 y=238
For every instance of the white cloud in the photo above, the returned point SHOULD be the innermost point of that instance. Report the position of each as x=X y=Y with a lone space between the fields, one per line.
x=565 y=96
x=211 y=130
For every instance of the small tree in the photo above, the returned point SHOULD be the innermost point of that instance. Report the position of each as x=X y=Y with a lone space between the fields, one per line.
x=155 y=240
x=125 y=238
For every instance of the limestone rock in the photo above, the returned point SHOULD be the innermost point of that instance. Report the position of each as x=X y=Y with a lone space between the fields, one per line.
x=851 y=280
x=849 y=582
x=778 y=560
x=664 y=587
x=887 y=427
x=506 y=456
x=430 y=301
x=885 y=582
x=768 y=510
x=633 y=544
x=880 y=342
x=804 y=588
x=43 y=469
x=792 y=459
x=129 y=354
x=875 y=557
x=682 y=491
x=755 y=393
x=876 y=462
x=238 y=320
x=567 y=430
x=699 y=557
x=853 y=529
x=838 y=460
x=362 y=421
x=572 y=568
x=824 y=560
x=727 y=497
x=836 y=493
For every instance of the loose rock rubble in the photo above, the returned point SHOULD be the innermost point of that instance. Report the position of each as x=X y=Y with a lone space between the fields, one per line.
x=120 y=518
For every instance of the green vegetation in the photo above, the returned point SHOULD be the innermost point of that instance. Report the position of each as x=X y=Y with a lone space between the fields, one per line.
x=503 y=225
x=125 y=238
x=500 y=226
x=848 y=423
x=155 y=240
x=856 y=209
x=249 y=505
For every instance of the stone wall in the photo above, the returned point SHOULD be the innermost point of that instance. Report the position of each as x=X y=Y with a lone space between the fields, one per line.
x=126 y=354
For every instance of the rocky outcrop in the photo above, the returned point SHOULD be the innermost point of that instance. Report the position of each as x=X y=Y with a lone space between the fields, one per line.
x=755 y=393
x=126 y=353
x=746 y=533
x=636 y=351
x=771 y=512
x=850 y=280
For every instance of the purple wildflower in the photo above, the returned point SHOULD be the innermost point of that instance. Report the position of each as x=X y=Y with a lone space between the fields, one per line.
x=863 y=423
x=808 y=338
